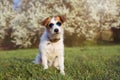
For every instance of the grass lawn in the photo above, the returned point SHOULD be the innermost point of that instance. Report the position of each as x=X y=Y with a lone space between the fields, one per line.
x=81 y=63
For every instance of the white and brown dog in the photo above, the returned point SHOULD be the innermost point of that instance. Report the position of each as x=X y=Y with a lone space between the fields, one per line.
x=51 y=47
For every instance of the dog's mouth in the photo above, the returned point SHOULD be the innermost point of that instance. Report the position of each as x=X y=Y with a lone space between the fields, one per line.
x=55 y=37
x=57 y=32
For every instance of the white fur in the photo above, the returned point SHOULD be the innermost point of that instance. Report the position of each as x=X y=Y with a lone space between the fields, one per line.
x=51 y=53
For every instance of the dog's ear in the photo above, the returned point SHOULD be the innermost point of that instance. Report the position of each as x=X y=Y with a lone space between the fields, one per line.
x=45 y=22
x=62 y=18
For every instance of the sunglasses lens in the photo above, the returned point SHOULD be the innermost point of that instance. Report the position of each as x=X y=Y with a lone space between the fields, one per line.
x=58 y=23
x=51 y=25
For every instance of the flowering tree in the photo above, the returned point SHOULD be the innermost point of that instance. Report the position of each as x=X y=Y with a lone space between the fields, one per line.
x=85 y=19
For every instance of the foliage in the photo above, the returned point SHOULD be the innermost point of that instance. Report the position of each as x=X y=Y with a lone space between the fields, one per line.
x=86 y=63
x=85 y=18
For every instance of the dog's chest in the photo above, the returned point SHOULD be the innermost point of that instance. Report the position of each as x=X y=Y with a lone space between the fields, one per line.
x=54 y=50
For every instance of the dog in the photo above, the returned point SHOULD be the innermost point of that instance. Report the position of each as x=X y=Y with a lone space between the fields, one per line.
x=51 y=46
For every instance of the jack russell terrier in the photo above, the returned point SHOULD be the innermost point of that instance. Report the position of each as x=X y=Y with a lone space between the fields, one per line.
x=51 y=47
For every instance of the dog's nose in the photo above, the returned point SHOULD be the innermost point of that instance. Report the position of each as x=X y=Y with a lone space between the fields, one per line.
x=56 y=30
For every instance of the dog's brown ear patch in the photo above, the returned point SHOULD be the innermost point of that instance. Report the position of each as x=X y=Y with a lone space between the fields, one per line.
x=45 y=22
x=62 y=18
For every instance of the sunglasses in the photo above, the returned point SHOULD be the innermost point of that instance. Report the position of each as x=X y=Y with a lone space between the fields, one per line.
x=51 y=24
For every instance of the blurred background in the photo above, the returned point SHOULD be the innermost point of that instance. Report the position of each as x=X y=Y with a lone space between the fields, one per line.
x=89 y=22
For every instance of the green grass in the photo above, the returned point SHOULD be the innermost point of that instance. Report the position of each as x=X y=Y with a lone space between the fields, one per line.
x=84 y=63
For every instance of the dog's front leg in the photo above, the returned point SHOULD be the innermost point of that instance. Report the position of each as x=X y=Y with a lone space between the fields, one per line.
x=44 y=61
x=61 y=64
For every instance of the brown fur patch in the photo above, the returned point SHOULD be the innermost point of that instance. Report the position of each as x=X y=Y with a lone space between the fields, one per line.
x=57 y=18
x=61 y=18
x=46 y=22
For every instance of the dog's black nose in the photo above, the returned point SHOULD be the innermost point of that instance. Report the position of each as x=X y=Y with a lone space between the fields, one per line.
x=56 y=30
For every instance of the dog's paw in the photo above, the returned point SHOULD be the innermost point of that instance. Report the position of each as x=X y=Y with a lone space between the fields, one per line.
x=35 y=62
x=62 y=72
x=45 y=67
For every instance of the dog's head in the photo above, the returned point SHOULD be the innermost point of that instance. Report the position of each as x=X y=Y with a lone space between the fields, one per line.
x=54 y=24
